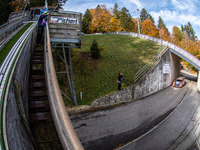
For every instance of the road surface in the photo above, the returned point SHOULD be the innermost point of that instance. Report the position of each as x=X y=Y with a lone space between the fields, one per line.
x=107 y=129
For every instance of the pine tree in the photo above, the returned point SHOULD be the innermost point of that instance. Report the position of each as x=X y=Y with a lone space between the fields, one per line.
x=189 y=30
x=126 y=22
x=116 y=11
x=87 y=18
x=145 y=15
x=94 y=49
x=161 y=24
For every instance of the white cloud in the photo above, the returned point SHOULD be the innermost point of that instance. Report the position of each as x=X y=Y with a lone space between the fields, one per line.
x=82 y=7
x=185 y=5
x=175 y=18
x=137 y=2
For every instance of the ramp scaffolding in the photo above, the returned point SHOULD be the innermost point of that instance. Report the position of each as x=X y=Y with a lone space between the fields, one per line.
x=65 y=34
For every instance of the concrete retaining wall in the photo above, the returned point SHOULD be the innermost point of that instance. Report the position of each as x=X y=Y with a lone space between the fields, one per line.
x=17 y=136
x=159 y=77
x=198 y=81
x=124 y=95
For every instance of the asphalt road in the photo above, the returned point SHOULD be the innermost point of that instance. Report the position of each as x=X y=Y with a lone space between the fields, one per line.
x=165 y=136
x=107 y=129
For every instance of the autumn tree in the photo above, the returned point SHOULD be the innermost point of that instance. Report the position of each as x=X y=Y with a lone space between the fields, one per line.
x=176 y=35
x=126 y=20
x=115 y=24
x=86 y=21
x=163 y=31
x=5 y=11
x=145 y=15
x=100 y=19
x=18 y=5
x=149 y=28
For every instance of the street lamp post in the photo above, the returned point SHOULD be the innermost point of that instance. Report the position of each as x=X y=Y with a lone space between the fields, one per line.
x=137 y=11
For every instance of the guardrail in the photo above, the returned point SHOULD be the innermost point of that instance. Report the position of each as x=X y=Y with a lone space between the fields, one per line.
x=150 y=64
x=6 y=73
x=63 y=124
x=173 y=48
x=15 y=19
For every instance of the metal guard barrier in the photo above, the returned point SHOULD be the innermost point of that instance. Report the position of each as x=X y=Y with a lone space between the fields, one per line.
x=6 y=72
x=65 y=130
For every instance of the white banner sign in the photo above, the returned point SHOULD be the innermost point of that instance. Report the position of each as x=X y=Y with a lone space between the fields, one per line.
x=57 y=19
x=166 y=69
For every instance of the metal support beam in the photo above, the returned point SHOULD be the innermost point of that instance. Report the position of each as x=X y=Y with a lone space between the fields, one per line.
x=67 y=70
x=68 y=67
x=71 y=73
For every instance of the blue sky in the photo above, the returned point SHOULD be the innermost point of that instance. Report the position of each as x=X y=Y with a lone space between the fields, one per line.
x=173 y=12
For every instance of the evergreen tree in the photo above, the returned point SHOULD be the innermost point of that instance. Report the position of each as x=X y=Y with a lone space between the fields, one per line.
x=94 y=49
x=126 y=19
x=161 y=24
x=145 y=15
x=116 y=11
x=189 y=30
x=87 y=18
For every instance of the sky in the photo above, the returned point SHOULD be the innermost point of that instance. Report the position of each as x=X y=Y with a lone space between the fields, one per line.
x=173 y=12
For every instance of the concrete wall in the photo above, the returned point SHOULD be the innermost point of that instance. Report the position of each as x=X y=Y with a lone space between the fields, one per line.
x=158 y=77
x=198 y=80
x=124 y=95
x=17 y=136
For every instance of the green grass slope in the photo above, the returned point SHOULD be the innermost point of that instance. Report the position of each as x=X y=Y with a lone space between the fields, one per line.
x=96 y=78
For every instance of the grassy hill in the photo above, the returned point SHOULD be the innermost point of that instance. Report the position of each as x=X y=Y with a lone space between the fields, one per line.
x=96 y=78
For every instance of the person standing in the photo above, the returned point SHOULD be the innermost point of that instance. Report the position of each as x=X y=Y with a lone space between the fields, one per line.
x=42 y=23
x=120 y=78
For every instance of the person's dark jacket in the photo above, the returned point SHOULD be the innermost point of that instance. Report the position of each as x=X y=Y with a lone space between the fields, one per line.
x=42 y=20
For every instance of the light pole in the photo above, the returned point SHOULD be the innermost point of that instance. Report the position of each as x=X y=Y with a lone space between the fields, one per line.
x=137 y=11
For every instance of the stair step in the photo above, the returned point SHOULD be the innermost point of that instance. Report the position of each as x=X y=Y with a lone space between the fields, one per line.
x=37 y=61
x=41 y=57
x=37 y=72
x=40 y=116
x=37 y=78
x=38 y=106
x=40 y=93
x=37 y=85
x=38 y=53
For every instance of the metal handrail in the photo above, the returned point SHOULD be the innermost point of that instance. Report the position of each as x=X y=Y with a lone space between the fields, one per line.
x=149 y=65
x=13 y=22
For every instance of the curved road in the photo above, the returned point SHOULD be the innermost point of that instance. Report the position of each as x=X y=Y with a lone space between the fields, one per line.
x=107 y=129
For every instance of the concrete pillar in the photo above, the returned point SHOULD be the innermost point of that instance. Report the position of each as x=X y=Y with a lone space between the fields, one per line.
x=198 y=80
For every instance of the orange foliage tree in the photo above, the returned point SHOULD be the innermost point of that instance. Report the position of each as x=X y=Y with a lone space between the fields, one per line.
x=176 y=35
x=149 y=28
x=115 y=24
x=164 y=34
x=17 y=5
x=100 y=19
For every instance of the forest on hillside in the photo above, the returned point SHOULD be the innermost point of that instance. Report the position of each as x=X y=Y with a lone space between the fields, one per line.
x=101 y=19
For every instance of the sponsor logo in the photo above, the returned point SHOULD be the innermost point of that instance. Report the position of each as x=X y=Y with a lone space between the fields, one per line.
x=55 y=19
